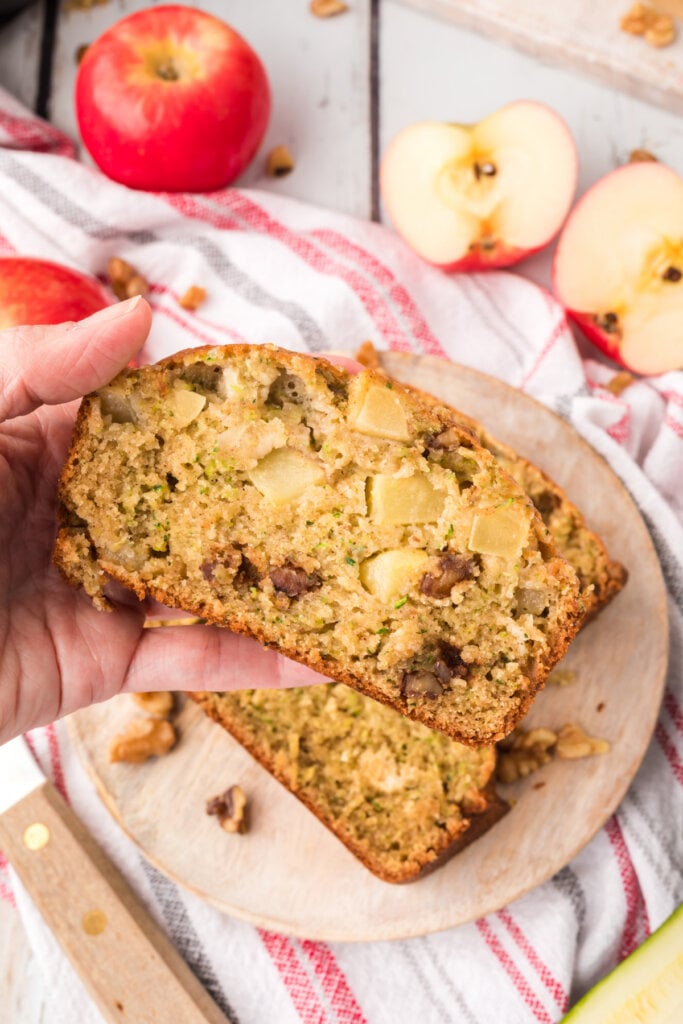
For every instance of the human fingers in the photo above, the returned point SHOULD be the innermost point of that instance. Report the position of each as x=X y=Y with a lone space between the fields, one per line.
x=343 y=361
x=209 y=658
x=55 y=364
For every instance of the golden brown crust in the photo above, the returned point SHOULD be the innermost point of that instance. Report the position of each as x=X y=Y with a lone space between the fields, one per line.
x=455 y=838
x=317 y=664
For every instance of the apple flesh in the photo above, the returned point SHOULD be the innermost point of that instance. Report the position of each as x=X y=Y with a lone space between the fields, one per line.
x=619 y=267
x=172 y=99
x=36 y=291
x=474 y=197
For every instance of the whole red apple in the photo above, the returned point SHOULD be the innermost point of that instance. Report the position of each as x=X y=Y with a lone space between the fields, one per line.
x=172 y=99
x=474 y=197
x=619 y=267
x=39 y=292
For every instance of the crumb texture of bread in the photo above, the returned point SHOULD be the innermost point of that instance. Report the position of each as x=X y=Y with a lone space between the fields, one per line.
x=402 y=797
x=601 y=578
x=336 y=517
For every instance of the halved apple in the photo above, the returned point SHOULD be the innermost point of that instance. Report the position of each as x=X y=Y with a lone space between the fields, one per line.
x=619 y=267
x=471 y=197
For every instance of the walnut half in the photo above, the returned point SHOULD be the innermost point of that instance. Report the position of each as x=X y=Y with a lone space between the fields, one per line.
x=126 y=281
x=522 y=753
x=159 y=705
x=643 y=20
x=193 y=297
x=573 y=742
x=144 y=738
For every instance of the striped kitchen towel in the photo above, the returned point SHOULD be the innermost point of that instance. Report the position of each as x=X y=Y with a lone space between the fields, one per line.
x=276 y=269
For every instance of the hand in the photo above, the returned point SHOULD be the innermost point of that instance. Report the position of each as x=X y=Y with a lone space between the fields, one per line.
x=57 y=652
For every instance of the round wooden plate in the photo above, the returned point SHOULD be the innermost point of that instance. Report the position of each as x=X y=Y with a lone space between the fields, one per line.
x=288 y=872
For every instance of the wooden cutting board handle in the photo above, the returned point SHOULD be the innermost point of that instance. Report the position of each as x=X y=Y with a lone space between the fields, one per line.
x=125 y=961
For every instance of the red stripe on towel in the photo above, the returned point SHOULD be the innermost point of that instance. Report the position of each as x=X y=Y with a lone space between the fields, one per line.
x=513 y=972
x=637 y=924
x=334 y=983
x=545 y=974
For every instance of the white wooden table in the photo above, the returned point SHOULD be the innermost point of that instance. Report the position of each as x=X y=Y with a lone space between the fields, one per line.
x=342 y=88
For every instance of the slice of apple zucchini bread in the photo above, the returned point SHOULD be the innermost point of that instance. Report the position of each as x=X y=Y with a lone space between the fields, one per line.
x=403 y=798
x=335 y=517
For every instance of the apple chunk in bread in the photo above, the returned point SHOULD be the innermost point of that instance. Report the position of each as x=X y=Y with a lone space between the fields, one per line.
x=619 y=267
x=399 y=501
x=468 y=197
x=184 y=405
x=285 y=474
x=501 y=531
x=375 y=410
x=391 y=573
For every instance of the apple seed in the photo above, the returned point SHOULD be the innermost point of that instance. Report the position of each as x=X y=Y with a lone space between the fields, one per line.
x=486 y=170
x=672 y=274
x=609 y=323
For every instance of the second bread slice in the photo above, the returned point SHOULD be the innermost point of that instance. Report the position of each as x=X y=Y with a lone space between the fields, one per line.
x=401 y=797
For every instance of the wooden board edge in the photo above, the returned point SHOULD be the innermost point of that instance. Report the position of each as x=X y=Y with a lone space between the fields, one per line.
x=560 y=53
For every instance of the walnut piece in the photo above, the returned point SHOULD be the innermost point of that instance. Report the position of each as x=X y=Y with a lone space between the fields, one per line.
x=573 y=742
x=125 y=280
x=144 y=738
x=635 y=20
x=421 y=684
x=327 y=8
x=662 y=32
x=524 y=752
x=368 y=356
x=561 y=677
x=641 y=156
x=642 y=20
x=279 y=162
x=230 y=809
x=619 y=382
x=159 y=705
x=451 y=570
x=193 y=298
x=294 y=581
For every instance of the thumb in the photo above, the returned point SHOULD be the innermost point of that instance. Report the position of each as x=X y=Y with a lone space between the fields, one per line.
x=52 y=365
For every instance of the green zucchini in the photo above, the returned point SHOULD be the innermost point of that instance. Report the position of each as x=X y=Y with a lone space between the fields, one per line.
x=646 y=988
